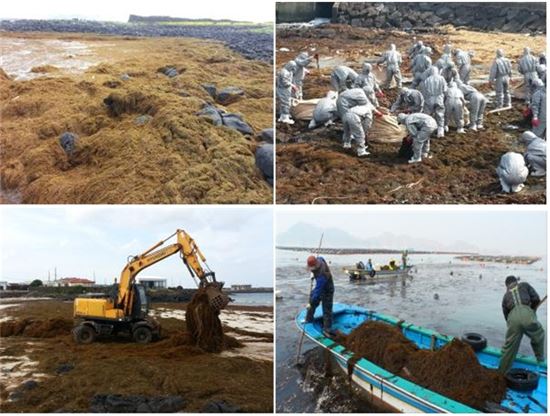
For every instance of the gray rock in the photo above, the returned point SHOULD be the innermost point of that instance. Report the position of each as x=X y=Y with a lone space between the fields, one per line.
x=211 y=112
x=125 y=77
x=264 y=161
x=229 y=95
x=210 y=89
x=64 y=368
x=267 y=135
x=68 y=142
x=234 y=121
x=169 y=71
x=117 y=403
x=220 y=406
x=444 y=12
x=406 y=25
x=29 y=385
x=143 y=119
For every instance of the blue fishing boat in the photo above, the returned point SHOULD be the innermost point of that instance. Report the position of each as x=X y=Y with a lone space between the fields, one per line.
x=400 y=395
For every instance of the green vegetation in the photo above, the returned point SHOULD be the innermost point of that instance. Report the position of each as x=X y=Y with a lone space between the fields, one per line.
x=254 y=27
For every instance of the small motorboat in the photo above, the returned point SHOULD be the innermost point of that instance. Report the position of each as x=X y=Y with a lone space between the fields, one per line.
x=398 y=394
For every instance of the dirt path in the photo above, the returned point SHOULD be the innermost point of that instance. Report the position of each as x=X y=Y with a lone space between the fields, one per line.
x=312 y=167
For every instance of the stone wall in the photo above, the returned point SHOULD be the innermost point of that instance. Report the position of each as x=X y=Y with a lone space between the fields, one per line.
x=505 y=17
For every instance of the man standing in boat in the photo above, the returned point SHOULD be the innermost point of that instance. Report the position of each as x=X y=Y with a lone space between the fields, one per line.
x=323 y=292
x=519 y=305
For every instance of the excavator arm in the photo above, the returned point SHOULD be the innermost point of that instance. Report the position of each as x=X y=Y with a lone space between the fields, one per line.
x=193 y=259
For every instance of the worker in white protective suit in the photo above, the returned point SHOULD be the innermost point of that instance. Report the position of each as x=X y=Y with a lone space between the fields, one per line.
x=392 y=59
x=409 y=101
x=535 y=154
x=512 y=172
x=420 y=64
x=476 y=105
x=420 y=127
x=501 y=71
x=446 y=58
x=325 y=111
x=415 y=49
x=433 y=90
x=302 y=61
x=450 y=73
x=454 y=107
x=285 y=87
x=538 y=109
x=366 y=77
x=349 y=99
x=357 y=122
x=541 y=67
x=463 y=64
x=342 y=78
x=369 y=92
x=527 y=66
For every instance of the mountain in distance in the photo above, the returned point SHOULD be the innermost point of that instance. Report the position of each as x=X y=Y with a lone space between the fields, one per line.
x=307 y=235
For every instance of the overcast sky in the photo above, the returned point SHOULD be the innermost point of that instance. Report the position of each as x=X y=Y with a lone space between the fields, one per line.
x=237 y=241
x=119 y=10
x=511 y=232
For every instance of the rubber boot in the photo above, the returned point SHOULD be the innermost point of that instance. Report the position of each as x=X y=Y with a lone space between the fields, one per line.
x=362 y=152
x=286 y=119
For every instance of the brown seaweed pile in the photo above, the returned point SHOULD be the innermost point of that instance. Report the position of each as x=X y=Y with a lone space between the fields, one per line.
x=36 y=328
x=453 y=371
x=140 y=139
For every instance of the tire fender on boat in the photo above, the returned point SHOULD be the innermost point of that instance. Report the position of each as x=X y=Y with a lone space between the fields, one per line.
x=477 y=341
x=521 y=379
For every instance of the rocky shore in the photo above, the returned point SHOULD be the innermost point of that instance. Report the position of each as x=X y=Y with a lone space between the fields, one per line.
x=242 y=39
x=517 y=18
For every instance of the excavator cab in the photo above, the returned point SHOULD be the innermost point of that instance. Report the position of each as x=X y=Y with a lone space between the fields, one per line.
x=140 y=308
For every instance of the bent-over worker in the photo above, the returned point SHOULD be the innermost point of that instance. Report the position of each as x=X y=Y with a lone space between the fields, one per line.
x=420 y=127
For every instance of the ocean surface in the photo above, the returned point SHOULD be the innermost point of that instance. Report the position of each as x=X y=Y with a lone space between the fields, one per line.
x=252 y=299
x=469 y=296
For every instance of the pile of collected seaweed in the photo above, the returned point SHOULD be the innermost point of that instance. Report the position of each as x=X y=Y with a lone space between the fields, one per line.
x=36 y=328
x=203 y=323
x=452 y=371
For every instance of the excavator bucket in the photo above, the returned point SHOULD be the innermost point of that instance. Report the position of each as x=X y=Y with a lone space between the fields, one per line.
x=216 y=298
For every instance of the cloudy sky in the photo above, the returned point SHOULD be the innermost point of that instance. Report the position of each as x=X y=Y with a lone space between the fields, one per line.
x=80 y=240
x=119 y=10
x=504 y=231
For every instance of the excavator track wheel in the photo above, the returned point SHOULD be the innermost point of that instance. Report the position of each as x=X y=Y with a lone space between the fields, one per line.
x=142 y=335
x=84 y=334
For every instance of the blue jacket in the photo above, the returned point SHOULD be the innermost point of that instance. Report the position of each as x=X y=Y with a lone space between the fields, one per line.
x=321 y=278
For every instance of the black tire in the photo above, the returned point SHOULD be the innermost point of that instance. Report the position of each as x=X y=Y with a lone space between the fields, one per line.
x=372 y=273
x=521 y=379
x=142 y=335
x=477 y=341
x=84 y=334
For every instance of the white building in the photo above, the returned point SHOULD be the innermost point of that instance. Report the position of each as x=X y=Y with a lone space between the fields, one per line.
x=3 y=285
x=152 y=282
x=73 y=281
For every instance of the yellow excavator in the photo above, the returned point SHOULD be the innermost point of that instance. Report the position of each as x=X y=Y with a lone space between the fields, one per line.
x=126 y=310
